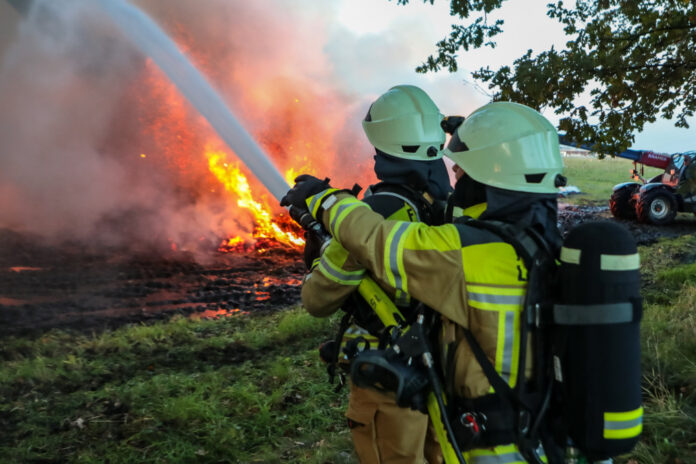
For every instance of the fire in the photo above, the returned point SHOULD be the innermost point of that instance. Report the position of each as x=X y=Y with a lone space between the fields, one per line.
x=307 y=133
x=267 y=228
x=290 y=175
x=182 y=140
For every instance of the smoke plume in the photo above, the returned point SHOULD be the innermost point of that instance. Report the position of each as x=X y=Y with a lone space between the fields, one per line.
x=97 y=147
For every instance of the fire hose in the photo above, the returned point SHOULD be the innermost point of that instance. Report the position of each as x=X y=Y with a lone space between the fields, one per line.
x=390 y=316
x=153 y=42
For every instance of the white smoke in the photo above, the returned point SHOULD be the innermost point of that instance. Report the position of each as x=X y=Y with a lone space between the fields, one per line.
x=57 y=105
x=70 y=145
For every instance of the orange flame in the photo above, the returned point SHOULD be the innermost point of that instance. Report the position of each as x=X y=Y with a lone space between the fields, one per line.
x=266 y=226
x=175 y=137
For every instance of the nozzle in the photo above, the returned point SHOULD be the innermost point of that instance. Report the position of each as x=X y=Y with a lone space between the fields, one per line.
x=308 y=223
x=302 y=217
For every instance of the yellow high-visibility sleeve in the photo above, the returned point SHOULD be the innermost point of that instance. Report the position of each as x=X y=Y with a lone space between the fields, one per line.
x=411 y=258
x=337 y=274
x=331 y=281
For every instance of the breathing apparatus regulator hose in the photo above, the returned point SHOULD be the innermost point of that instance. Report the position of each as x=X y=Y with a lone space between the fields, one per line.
x=450 y=445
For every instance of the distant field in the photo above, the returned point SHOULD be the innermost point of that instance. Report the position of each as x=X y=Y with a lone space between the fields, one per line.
x=596 y=178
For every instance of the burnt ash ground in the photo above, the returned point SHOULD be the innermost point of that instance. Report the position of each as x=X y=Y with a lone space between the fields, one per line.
x=44 y=287
x=645 y=234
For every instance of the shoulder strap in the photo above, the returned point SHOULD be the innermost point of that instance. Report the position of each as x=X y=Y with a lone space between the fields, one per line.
x=538 y=257
x=536 y=253
x=527 y=242
x=408 y=195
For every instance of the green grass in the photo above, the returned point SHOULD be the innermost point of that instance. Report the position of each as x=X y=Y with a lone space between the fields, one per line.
x=243 y=389
x=669 y=352
x=596 y=178
x=250 y=389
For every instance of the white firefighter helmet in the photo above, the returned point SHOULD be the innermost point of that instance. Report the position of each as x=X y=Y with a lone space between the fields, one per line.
x=405 y=123
x=509 y=146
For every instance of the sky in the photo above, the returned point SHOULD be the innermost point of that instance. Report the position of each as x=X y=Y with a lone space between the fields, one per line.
x=381 y=30
x=526 y=27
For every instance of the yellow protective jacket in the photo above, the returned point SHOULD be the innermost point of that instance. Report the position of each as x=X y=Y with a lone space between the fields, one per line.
x=334 y=277
x=468 y=275
x=382 y=432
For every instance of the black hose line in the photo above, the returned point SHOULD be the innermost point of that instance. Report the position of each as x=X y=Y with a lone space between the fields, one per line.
x=437 y=391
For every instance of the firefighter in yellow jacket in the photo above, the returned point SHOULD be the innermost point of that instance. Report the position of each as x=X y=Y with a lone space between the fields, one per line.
x=470 y=276
x=404 y=127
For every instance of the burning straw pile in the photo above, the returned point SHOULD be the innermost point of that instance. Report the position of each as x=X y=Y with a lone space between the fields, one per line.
x=118 y=202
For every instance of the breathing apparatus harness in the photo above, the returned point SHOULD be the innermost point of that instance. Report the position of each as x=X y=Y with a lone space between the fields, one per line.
x=403 y=363
x=514 y=414
x=582 y=311
x=357 y=308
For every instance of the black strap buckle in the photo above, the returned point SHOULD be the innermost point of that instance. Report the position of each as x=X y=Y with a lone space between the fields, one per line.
x=524 y=420
x=341 y=382
x=355 y=346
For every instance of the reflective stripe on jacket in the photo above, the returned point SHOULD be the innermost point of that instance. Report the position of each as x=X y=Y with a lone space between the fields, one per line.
x=336 y=275
x=503 y=454
x=469 y=275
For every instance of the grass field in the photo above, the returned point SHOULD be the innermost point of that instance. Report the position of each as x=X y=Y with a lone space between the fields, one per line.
x=250 y=388
x=242 y=389
x=596 y=178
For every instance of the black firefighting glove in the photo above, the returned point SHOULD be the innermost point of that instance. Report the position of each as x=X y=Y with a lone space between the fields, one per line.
x=305 y=187
x=450 y=123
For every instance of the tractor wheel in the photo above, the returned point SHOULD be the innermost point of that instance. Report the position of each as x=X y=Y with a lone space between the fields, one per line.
x=656 y=207
x=621 y=203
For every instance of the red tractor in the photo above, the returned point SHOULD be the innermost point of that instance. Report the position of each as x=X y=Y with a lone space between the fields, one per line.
x=657 y=200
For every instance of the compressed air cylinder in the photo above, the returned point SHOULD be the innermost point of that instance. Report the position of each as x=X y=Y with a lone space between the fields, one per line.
x=596 y=359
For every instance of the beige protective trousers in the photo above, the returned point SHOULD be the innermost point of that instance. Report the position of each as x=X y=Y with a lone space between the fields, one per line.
x=384 y=433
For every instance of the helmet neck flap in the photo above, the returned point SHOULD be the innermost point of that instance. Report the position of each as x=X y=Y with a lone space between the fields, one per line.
x=536 y=210
x=468 y=192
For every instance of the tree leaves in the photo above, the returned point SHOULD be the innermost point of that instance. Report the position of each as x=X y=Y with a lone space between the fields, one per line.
x=636 y=58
